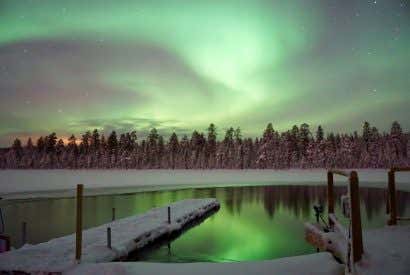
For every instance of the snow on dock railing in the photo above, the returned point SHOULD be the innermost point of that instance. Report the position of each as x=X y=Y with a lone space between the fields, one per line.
x=386 y=252
x=391 y=203
x=127 y=235
x=352 y=237
x=355 y=228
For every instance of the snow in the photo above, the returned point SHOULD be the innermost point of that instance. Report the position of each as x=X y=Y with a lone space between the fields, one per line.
x=61 y=183
x=386 y=250
x=128 y=234
x=314 y=264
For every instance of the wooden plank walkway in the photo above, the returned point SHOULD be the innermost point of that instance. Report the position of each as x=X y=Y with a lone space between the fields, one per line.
x=128 y=234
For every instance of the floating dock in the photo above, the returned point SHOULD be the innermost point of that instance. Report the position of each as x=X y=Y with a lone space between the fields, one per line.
x=126 y=235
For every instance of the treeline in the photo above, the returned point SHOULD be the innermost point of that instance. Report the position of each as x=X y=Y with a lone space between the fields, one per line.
x=295 y=148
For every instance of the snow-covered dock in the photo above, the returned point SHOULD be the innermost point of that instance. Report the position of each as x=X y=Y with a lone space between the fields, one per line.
x=128 y=234
x=386 y=250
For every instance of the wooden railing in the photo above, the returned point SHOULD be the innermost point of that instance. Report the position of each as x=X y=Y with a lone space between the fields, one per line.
x=354 y=235
x=391 y=205
x=4 y=243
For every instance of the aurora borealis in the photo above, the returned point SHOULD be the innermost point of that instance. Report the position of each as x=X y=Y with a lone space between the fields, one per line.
x=70 y=66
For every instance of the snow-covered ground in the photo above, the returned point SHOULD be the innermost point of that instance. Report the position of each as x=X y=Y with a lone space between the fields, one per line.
x=61 y=183
x=128 y=234
x=386 y=250
x=314 y=264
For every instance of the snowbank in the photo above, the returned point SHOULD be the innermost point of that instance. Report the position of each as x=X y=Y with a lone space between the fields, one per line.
x=128 y=234
x=315 y=264
x=61 y=183
x=386 y=250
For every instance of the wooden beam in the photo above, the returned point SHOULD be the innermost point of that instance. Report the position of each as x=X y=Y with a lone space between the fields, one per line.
x=339 y=172
x=169 y=214
x=387 y=196
x=338 y=226
x=6 y=240
x=392 y=198
x=403 y=169
x=356 y=223
x=109 y=237
x=330 y=197
x=79 y=223
x=24 y=233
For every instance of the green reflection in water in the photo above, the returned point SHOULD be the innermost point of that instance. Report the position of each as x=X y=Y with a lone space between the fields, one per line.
x=253 y=223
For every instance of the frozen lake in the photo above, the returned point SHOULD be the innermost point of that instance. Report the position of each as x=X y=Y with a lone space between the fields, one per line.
x=261 y=216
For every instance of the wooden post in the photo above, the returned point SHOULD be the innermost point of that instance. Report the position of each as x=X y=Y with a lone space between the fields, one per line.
x=169 y=214
x=387 y=201
x=109 y=237
x=2 y=222
x=4 y=240
x=392 y=199
x=79 y=221
x=356 y=223
x=330 y=197
x=24 y=233
x=113 y=214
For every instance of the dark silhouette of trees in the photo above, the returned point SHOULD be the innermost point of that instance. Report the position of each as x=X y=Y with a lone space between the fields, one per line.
x=295 y=148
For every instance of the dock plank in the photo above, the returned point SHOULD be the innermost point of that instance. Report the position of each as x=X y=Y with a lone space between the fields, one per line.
x=128 y=234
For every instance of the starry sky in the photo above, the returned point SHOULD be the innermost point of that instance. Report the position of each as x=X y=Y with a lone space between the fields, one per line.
x=70 y=66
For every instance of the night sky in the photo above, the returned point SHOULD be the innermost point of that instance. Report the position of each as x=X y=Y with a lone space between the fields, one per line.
x=71 y=66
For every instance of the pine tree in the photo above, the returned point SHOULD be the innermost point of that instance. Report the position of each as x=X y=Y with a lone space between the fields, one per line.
x=17 y=150
x=50 y=142
x=319 y=134
x=173 y=148
x=293 y=148
x=112 y=143
x=210 y=151
x=95 y=140
x=29 y=145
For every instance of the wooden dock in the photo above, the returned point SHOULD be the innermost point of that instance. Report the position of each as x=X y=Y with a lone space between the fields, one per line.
x=379 y=251
x=107 y=242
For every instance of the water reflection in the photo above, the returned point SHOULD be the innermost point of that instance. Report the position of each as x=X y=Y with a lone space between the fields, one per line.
x=254 y=223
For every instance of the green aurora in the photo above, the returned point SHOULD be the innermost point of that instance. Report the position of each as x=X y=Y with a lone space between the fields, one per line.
x=70 y=66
